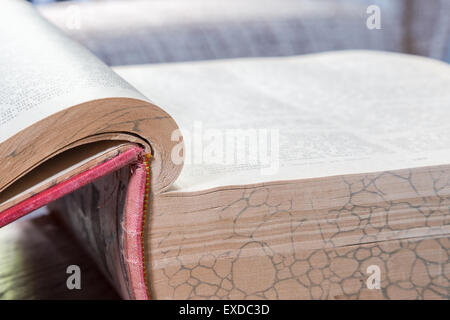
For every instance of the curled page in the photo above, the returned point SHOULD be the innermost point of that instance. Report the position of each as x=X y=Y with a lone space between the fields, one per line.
x=55 y=95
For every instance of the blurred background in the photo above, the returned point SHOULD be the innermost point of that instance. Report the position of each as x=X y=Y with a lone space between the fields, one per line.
x=153 y=31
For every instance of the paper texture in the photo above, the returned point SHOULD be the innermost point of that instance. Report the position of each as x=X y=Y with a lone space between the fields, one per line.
x=306 y=239
x=44 y=72
x=336 y=113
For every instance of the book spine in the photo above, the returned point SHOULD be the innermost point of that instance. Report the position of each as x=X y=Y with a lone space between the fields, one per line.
x=107 y=217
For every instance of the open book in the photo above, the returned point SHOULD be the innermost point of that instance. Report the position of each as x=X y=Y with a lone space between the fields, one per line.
x=321 y=176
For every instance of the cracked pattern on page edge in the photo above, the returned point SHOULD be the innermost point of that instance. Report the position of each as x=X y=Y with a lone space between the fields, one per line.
x=323 y=256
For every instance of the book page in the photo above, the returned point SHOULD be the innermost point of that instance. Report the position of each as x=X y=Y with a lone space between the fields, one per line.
x=43 y=72
x=302 y=117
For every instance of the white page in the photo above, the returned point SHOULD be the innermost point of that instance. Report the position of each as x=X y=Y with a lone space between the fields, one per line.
x=43 y=72
x=336 y=113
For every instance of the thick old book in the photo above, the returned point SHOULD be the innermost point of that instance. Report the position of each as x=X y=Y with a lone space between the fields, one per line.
x=322 y=176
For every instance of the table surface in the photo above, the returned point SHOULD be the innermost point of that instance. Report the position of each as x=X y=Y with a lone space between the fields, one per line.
x=34 y=255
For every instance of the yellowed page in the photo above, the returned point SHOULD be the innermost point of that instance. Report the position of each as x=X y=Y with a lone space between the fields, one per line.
x=325 y=114
x=43 y=72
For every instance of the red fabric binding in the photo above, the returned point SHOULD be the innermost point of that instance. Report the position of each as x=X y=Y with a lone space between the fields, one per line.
x=66 y=187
